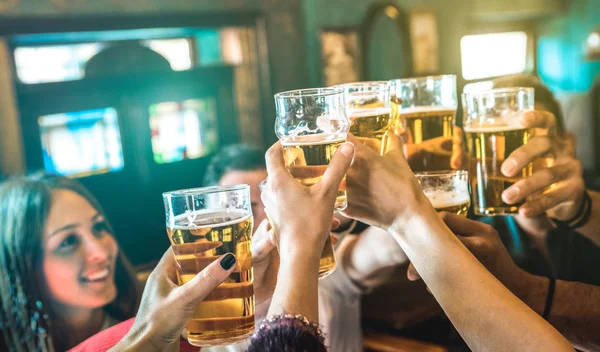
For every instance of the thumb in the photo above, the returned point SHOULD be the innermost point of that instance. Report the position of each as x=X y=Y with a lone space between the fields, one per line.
x=339 y=165
x=395 y=147
x=194 y=291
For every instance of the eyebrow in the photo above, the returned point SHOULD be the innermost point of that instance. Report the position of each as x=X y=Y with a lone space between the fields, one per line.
x=72 y=226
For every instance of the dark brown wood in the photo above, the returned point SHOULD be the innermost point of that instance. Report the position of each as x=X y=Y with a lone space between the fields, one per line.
x=387 y=343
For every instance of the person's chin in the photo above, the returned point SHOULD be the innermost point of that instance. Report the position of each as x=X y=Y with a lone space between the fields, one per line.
x=100 y=299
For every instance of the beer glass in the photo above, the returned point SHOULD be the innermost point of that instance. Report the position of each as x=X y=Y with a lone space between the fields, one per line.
x=493 y=130
x=369 y=112
x=311 y=124
x=446 y=190
x=203 y=224
x=428 y=110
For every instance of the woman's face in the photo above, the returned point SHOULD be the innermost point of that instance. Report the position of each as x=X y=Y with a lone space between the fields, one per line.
x=79 y=253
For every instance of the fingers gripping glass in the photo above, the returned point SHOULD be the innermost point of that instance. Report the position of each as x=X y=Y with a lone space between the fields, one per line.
x=327 y=263
x=493 y=130
x=311 y=125
x=203 y=224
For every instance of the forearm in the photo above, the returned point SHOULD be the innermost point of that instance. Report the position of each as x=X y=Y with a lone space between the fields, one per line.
x=575 y=311
x=370 y=259
x=591 y=229
x=297 y=287
x=486 y=314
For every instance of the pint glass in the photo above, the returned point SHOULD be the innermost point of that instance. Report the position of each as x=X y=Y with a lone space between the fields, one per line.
x=311 y=124
x=493 y=131
x=428 y=111
x=369 y=112
x=203 y=224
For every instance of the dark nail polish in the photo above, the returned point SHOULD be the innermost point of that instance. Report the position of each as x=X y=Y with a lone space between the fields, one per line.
x=228 y=261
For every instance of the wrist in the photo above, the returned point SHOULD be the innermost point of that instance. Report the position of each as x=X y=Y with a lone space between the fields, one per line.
x=300 y=254
x=421 y=216
x=531 y=289
x=138 y=339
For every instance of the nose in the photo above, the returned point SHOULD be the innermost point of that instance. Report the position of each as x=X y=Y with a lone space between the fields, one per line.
x=96 y=252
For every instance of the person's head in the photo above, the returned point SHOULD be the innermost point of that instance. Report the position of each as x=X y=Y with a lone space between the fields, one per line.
x=544 y=98
x=58 y=255
x=240 y=164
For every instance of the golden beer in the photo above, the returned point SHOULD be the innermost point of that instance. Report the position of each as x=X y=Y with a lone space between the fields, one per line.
x=425 y=123
x=429 y=130
x=426 y=119
x=370 y=126
x=307 y=159
x=488 y=147
x=226 y=315
x=449 y=201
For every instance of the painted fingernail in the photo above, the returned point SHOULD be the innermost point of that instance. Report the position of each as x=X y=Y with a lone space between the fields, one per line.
x=510 y=194
x=508 y=167
x=228 y=261
x=347 y=149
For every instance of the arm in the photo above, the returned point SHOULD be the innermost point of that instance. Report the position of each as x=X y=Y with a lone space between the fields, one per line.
x=487 y=314
x=289 y=204
x=591 y=229
x=297 y=283
x=575 y=309
x=166 y=308
x=576 y=306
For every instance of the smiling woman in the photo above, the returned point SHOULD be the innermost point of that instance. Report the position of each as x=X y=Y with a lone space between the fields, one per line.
x=62 y=277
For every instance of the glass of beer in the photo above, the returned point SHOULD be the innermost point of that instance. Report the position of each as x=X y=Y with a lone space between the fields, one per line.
x=370 y=112
x=446 y=190
x=492 y=126
x=311 y=124
x=428 y=109
x=203 y=224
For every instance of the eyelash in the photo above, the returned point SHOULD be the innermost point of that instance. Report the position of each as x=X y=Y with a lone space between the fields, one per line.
x=99 y=229
x=65 y=243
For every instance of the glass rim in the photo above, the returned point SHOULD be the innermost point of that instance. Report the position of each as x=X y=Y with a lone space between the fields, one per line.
x=359 y=84
x=422 y=78
x=498 y=92
x=205 y=190
x=309 y=92
x=442 y=173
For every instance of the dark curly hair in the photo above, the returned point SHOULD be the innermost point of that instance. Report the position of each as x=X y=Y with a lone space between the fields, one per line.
x=285 y=338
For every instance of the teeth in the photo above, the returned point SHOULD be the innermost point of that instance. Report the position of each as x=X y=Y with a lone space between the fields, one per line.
x=99 y=275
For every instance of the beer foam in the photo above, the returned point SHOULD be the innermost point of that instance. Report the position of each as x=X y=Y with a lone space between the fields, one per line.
x=425 y=109
x=356 y=113
x=446 y=199
x=494 y=128
x=313 y=139
x=192 y=217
